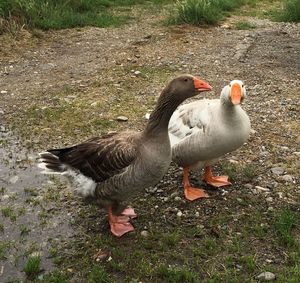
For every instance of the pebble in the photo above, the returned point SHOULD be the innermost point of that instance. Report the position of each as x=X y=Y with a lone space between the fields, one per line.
x=277 y=170
x=147 y=116
x=3 y=91
x=2 y=129
x=14 y=179
x=122 y=118
x=269 y=199
x=137 y=73
x=145 y=234
x=266 y=276
x=261 y=189
x=287 y=178
x=177 y=198
x=179 y=213
x=197 y=214
x=239 y=200
x=248 y=186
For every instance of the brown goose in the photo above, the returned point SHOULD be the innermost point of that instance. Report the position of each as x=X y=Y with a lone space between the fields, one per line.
x=114 y=167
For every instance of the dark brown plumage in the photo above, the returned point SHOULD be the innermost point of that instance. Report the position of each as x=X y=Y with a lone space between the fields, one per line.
x=114 y=167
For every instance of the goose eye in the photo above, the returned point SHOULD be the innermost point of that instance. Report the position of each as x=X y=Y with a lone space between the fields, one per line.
x=185 y=80
x=242 y=86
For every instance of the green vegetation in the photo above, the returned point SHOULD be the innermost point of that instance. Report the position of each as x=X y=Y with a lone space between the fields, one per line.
x=176 y=275
x=61 y=14
x=32 y=266
x=242 y=25
x=98 y=275
x=285 y=221
x=9 y=212
x=290 y=12
x=200 y=12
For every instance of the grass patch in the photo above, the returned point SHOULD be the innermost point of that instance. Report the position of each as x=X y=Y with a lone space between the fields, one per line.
x=176 y=275
x=4 y=246
x=32 y=266
x=204 y=12
x=285 y=221
x=290 y=12
x=60 y=14
x=9 y=212
x=99 y=275
x=242 y=25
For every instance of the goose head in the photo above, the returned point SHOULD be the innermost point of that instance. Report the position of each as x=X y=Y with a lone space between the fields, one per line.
x=234 y=93
x=186 y=86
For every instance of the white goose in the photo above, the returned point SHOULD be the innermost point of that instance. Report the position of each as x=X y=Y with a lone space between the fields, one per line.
x=203 y=131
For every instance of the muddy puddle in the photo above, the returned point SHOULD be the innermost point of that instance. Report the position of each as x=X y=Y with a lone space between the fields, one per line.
x=32 y=221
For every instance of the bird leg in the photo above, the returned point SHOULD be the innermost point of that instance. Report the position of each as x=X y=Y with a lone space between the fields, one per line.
x=215 y=181
x=190 y=192
x=120 y=225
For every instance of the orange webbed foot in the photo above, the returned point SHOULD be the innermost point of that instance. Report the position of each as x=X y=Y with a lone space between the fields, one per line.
x=217 y=181
x=194 y=193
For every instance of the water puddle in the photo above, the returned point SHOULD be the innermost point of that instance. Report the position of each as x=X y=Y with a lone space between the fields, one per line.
x=31 y=210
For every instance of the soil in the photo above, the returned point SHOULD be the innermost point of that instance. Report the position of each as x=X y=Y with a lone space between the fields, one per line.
x=99 y=63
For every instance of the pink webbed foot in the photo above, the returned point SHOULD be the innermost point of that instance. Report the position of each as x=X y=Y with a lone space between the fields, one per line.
x=120 y=225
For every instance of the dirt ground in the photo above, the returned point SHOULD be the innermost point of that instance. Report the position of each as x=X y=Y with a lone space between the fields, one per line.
x=90 y=72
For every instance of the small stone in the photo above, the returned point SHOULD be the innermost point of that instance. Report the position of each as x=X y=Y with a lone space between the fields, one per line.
x=14 y=179
x=252 y=132
x=137 y=73
x=3 y=91
x=270 y=208
x=248 y=186
x=287 y=178
x=94 y=103
x=122 y=118
x=266 y=276
x=2 y=129
x=232 y=161
x=179 y=213
x=269 y=199
x=277 y=170
x=145 y=234
x=177 y=198
x=261 y=189
x=147 y=116
x=197 y=214
x=239 y=200
x=297 y=153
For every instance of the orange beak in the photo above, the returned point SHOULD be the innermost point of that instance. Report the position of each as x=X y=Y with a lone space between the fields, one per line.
x=236 y=94
x=201 y=85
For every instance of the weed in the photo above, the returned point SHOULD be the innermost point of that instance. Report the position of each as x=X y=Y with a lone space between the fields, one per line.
x=173 y=275
x=31 y=191
x=24 y=231
x=32 y=266
x=98 y=275
x=171 y=239
x=285 y=221
x=4 y=246
x=242 y=25
x=2 y=190
x=199 y=12
x=56 y=277
x=290 y=12
x=1 y=228
x=230 y=169
x=9 y=212
x=248 y=262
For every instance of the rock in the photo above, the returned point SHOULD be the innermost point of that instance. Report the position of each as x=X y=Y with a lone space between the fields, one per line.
x=277 y=170
x=3 y=129
x=179 y=213
x=3 y=92
x=145 y=234
x=269 y=199
x=137 y=73
x=177 y=198
x=287 y=178
x=197 y=214
x=266 y=276
x=248 y=186
x=147 y=116
x=252 y=132
x=261 y=189
x=122 y=118
x=232 y=161
x=14 y=179
x=239 y=200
